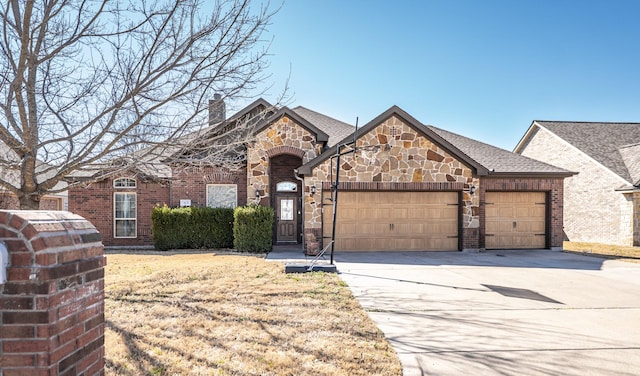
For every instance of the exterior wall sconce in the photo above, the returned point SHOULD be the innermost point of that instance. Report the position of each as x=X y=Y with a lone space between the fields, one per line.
x=257 y=193
x=472 y=189
x=313 y=190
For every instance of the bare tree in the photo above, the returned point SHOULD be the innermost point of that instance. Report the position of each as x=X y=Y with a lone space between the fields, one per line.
x=101 y=86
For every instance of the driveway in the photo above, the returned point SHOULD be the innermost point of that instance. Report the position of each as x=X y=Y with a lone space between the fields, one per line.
x=502 y=313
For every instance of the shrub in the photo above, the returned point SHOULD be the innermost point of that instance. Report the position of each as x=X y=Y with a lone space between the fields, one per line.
x=253 y=228
x=194 y=227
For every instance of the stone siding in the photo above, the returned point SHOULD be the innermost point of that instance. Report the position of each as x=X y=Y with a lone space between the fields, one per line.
x=284 y=136
x=593 y=210
x=394 y=156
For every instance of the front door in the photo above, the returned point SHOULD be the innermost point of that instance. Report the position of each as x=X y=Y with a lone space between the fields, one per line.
x=287 y=220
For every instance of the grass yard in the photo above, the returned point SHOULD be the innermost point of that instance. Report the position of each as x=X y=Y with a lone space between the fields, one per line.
x=631 y=254
x=207 y=314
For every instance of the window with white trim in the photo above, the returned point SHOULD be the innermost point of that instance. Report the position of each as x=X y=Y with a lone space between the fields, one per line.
x=222 y=195
x=125 y=219
x=124 y=183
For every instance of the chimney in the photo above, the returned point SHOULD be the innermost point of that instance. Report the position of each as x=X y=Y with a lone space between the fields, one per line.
x=217 y=111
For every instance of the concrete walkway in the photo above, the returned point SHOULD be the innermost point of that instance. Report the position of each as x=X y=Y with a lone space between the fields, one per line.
x=502 y=313
x=292 y=253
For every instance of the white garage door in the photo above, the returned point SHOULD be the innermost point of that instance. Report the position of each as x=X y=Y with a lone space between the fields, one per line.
x=388 y=221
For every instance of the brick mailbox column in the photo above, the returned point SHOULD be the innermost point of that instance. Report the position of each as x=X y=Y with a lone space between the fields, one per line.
x=52 y=304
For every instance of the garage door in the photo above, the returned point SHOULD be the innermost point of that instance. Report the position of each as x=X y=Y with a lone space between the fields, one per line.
x=515 y=220
x=385 y=221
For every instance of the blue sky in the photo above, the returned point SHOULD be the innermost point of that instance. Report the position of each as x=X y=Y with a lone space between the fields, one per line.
x=484 y=69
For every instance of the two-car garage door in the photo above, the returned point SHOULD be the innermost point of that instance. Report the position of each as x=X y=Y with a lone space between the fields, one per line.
x=406 y=221
x=403 y=221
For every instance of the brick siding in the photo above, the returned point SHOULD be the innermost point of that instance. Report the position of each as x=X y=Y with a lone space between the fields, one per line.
x=192 y=184
x=96 y=204
x=593 y=210
x=52 y=305
x=554 y=188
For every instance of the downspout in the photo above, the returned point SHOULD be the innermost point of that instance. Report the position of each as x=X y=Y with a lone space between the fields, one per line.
x=295 y=173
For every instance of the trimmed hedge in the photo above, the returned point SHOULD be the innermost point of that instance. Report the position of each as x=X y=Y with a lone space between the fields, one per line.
x=194 y=227
x=253 y=228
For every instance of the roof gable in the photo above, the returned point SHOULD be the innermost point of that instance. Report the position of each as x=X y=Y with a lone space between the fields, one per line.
x=631 y=157
x=483 y=158
x=601 y=141
x=336 y=129
x=409 y=121
x=285 y=111
x=249 y=111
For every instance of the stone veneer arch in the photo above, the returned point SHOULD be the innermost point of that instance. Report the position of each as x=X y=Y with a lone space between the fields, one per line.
x=284 y=136
x=285 y=150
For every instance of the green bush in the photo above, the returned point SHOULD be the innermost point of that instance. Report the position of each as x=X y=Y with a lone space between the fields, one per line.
x=253 y=228
x=186 y=228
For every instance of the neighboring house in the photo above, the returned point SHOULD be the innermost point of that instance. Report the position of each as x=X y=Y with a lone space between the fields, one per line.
x=8 y=200
x=56 y=201
x=407 y=187
x=601 y=202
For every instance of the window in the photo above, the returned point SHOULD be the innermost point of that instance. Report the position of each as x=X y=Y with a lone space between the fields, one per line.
x=124 y=183
x=286 y=210
x=222 y=195
x=286 y=186
x=125 y=215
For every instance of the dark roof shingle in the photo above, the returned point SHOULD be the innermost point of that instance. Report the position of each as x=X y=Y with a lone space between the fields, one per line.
x=495 y=159
x=631 y=157
x=600 y=141
x=336 y=129
x=484 y=158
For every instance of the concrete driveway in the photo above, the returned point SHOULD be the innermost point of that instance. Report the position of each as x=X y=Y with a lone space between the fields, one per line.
x=502 y=313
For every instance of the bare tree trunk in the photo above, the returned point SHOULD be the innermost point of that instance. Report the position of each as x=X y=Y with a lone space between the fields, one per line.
x=29 y=202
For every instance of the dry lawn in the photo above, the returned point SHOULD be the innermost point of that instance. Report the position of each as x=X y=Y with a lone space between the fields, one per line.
x=623 y=253
x=207 y=314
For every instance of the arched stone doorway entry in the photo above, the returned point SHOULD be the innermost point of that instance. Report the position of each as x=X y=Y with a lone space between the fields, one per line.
x=286 y=198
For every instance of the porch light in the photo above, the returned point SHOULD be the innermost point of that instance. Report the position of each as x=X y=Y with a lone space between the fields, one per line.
x=313 y=190
x=257 y=193
x=472 y=189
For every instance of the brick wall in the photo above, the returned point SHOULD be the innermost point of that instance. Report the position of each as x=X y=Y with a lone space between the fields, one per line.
x=95 y=203
x=636 y=219
x=593 y=210
x=192 y=184
x=52 y=305
x=555 y=190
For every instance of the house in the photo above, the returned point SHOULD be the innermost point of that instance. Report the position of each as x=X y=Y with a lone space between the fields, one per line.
x=56 y=200
x=601 y=202
x=406 y=186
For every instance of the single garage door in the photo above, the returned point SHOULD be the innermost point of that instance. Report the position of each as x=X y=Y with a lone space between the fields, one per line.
x=515 y=220
x=388 y=221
